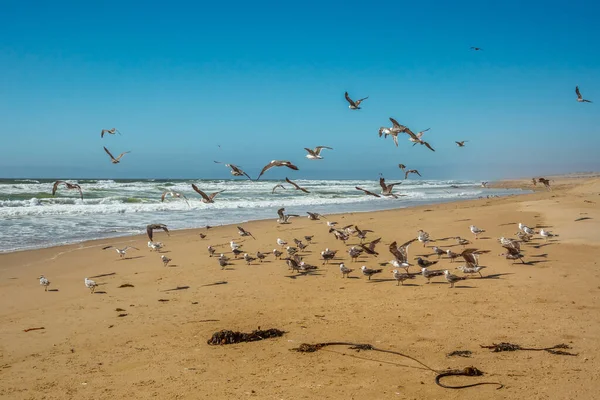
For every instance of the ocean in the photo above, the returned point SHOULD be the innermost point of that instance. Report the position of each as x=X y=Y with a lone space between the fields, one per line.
x=30 y=217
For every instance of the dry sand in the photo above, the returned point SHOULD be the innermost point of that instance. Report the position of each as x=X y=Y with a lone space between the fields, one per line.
x=159 y=349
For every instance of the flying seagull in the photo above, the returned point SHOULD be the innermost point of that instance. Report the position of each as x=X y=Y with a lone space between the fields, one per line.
x=277 y=186
x=418 y=137
x=367 y=192
x=150 y=229
x=411 y=171
x=579 y=97
x=461 y=144
x=386 y=190
x=68 y=185
x=476 y=48
x=235 y=170
x=115 y=160
x=316 y=153
x=109 y=131
x=354 y=105
x=244 y=232
x=173 y=194
x=283 y=218
x=277 y=163
x=402 y=166
x=206 y=198
x=314 y=216
x=296 y=186
x=395 y=130
x=546 y=182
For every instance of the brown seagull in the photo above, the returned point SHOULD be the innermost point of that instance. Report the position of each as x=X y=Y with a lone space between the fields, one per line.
x=206 y=198
x=386 y=190
x=173 y=194
x=476 y=48
x=546 y=182
x=402 y=166
x=579 y=97
x=367 y=192
x=115 y=160
x=277 y=163
x=354 y=105
x=395 y=130
x=461 y=144
x=411 y=171
x=109 y=131
x=235 y=170
x=150 y=229
x=296 y=186
x=69 y=187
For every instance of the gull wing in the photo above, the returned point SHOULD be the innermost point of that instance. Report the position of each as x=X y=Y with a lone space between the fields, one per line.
x=108 y=152
x=280 y=213
x=277 y=186
x=200 y=192
x=367 y=192
x=360 y=100
x=212 y=195
x=55 y=186
x=349 y=100
x=296 y=185
x=428 y=146
x=578 y=93
x=266 y=168
x=122 y=154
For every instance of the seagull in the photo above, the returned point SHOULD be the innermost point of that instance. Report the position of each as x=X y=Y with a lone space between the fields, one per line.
x=345 y=270
x=370 y=271
x=411 y=171
x=476 y=231
x=438 y=251
x=314 y=216
x=202 y=235
x=90 y=284
x=476 y=48
x=308 y=238
x=283 y=218
x=235 y=170
x=452 y=255
x=471 y=270
x=69 y=186
x=401 y=252
x=547 y=234
x=354 y=253
x=122 y=251
x=248 y=258
x=237 y=251
x=423 y=237
x=277 y=253
x=244 y=232
x=462 y=242
x=361 y=234
x=546 y=182
x=580 y=99
x=277 y=186
x=328 y=255
x=471 y=256
x=484 y=184
x=223 y=262
x=44 y=282
x=206 y=199
x=173 y=194
x=427 y=274
x=261 y=256
x=115 y=160
x=461 y=144
x=276 y=163
x=109 y=131
x=401 y=277
x=150 y=229
x=526 y=229
x=398 y=264
x=452 y=279
x=417 y=139
x=234 y=245
x=316 y=153
x=370 y=247
x=223 y=257
x=425 y=263
x=512 y=252
x=402 y=166
x=166 y=260
x=155 y=246
x=367 y=192
x=211 y=251
x=386 y=190
x=331 y=224
x=525 y=237
x=291 y=250
x=281 y=242
x=354 y=105
x=534 y=181
x=296 y=186
x=395 y=130
x=339 y=235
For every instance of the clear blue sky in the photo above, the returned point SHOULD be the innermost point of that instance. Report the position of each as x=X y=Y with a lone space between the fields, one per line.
x=266 y=79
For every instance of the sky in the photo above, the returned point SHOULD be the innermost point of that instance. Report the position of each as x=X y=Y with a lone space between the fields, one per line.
x=265 y=79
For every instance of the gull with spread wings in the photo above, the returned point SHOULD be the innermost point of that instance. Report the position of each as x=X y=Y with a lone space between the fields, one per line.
x=173 y=194
x=354 y=105
x=109 y=131
x=418 y=137
x=386 y=190
x=150 y=229
x=206 y=198
x=296 y=186
x=411 y=171
x=115 y=160
x=395 y=130
x=69 y=186
x=315 y=154
x=277 y=163
x=235 y=170
x=461 y=144
x=580 y=99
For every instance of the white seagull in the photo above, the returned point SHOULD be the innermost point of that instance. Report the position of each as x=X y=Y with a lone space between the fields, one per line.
x=281 y=242
x=345 y=270
x=546 y=234
x=122 y=251
x=44 y=282
x=315 y=154
x=400 y=277
x=90 y=284
x=526 y=229
x=476 y=231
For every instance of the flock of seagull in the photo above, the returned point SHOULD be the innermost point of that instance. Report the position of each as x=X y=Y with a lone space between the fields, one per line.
x=294 y=260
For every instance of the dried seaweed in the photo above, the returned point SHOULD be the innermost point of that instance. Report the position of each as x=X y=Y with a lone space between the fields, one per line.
x=460 y=353
x=505 y=346
x=231 y=337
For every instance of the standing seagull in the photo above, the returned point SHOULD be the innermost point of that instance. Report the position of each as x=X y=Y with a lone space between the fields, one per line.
x=166 y=260
x=115 y=160
x=411 y=171
x=401 y=277
x=370 y=271
x=386 y=190
x=476 y=231
x=109 y=131
x=235 y=170
x=44 y=282
x=69 y=186
x=150 y=229
x=90 y=284
x=452 y=279
x=354 y=105
x=461 y=144
x=316 y=153
x=547 y=234
x=345 y=270
x=580 y=99
x=276 y=163
x=206 y=198
x=296 y=186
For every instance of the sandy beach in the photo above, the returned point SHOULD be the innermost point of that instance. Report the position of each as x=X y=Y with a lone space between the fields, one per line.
x=159 y=349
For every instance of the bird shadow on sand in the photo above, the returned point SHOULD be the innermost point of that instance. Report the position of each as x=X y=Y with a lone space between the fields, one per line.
x=508 y=223
x=163 y=251
x=539 y=255
x=215 y=283
x=173 y=265
x=177 y=288
x=130 y=258
x=535 y=262
x=462 y=287
x=303 y=274
x=53 y=290
x=408 y=284
x=99 y=292
x=539 y=246
x=483 y=238
x=543 y=226
x=582 y=219
x=493 y=276
x=373 y=281
x=463 y=220
x=103 y=275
